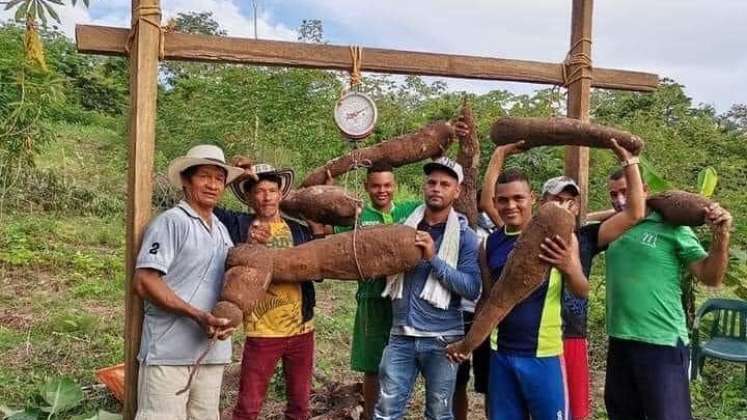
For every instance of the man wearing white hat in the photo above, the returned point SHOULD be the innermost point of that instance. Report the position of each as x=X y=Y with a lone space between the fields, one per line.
x=426 y=301
x=179 y=274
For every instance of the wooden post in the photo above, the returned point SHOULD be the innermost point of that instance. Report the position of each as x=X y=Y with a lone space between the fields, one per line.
x=579 y=97
x=143 y=68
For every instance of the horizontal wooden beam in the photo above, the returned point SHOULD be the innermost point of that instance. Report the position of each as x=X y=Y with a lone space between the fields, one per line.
x=192 y=47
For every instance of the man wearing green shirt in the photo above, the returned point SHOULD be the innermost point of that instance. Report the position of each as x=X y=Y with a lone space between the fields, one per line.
x=373 y=316
x=647 y=375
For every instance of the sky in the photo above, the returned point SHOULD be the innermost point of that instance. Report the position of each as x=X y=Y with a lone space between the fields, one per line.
x=701 y=44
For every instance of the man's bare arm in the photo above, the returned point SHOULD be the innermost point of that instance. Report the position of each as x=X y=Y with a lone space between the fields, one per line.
x=491 y=177
x=149 y=285
x=711 y=269
x=635 y=208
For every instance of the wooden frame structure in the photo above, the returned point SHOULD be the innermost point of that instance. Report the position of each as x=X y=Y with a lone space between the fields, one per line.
x=145 y=43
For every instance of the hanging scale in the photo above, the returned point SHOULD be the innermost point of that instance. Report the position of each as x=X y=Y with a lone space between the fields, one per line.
x=355 y=112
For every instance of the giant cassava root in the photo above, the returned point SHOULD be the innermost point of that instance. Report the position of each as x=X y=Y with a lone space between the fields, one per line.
x=469 y=157
x=362 y=253
x=429 y=142
x=325 y=204
x=523 y=274
x=680 y=207
x=379 y=251
x=561 y=131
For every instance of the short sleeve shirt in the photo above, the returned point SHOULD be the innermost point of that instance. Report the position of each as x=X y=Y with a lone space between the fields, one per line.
x=533 y=327
x=645 y=267
x=279 y=314
x=191 y=257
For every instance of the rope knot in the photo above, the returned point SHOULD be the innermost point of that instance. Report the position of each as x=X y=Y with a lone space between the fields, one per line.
x=579 y=60
x=152 y=16
x=356 y=54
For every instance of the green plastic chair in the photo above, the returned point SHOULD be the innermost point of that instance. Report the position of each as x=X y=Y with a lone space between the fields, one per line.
x=728 y=334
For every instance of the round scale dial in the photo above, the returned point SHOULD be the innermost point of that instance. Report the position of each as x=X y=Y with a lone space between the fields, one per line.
x=355 y=115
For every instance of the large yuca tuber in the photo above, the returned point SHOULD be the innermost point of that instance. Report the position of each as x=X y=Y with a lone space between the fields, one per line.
x=469 y=157
x=523 y=274
x=379 y=251
x=326 y=204
x=561 y=131
x=363 y=253
x=680 y=207
x=431 y=141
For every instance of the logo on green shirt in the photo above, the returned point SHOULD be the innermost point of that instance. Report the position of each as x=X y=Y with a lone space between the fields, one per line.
x=649 y=239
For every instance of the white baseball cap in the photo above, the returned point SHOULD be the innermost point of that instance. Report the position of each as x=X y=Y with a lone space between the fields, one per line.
x=556 y=185
x=446 y=164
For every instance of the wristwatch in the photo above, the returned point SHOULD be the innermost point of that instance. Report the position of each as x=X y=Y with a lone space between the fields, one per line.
x=632 y=161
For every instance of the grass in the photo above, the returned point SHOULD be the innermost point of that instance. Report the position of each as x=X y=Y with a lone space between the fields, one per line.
x=61 y=294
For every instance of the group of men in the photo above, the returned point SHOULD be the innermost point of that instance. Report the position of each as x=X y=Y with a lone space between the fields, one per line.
x=534 y=366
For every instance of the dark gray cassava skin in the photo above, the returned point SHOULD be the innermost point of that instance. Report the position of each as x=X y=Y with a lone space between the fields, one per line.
x=523 y=273
x=561 y=131
x=680 y=208
x=325 y=204
x=381 y=251
x=429 y=142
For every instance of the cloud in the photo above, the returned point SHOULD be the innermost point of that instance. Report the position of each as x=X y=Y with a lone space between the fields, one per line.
x=694 y=42
x=117 y=13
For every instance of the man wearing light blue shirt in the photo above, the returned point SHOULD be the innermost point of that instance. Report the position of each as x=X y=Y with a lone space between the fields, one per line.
x=179 y=274
x=426 y=301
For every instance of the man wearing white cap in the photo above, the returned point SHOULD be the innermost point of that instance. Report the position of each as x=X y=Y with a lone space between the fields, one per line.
x=426 y=301
x=179 y=274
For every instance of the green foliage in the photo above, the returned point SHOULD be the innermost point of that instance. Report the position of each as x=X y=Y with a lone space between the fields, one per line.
x=736 y=275
x=707 y=181
x=61 y=394
x=651 y=178
x=57 y=396
x=34 y=10
x=54 y=398
x=25 y=95
x=194 y=23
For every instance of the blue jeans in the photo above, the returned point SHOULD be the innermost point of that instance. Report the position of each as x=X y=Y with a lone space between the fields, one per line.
x=403 y=359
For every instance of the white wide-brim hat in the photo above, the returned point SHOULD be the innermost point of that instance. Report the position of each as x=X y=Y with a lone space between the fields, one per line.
x=204 y=154
x=263 y=171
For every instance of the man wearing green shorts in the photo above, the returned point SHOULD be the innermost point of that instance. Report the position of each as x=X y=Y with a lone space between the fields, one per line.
x=373 y=316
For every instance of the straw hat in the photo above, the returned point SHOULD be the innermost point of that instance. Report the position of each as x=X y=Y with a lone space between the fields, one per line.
x=263 y=171
x=204 y=154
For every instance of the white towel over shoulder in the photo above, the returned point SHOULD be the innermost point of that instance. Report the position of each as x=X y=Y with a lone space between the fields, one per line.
x=433 y=291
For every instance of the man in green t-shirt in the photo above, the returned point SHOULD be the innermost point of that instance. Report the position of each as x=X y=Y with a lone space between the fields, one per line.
x=647 y=361
x=373 y=315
